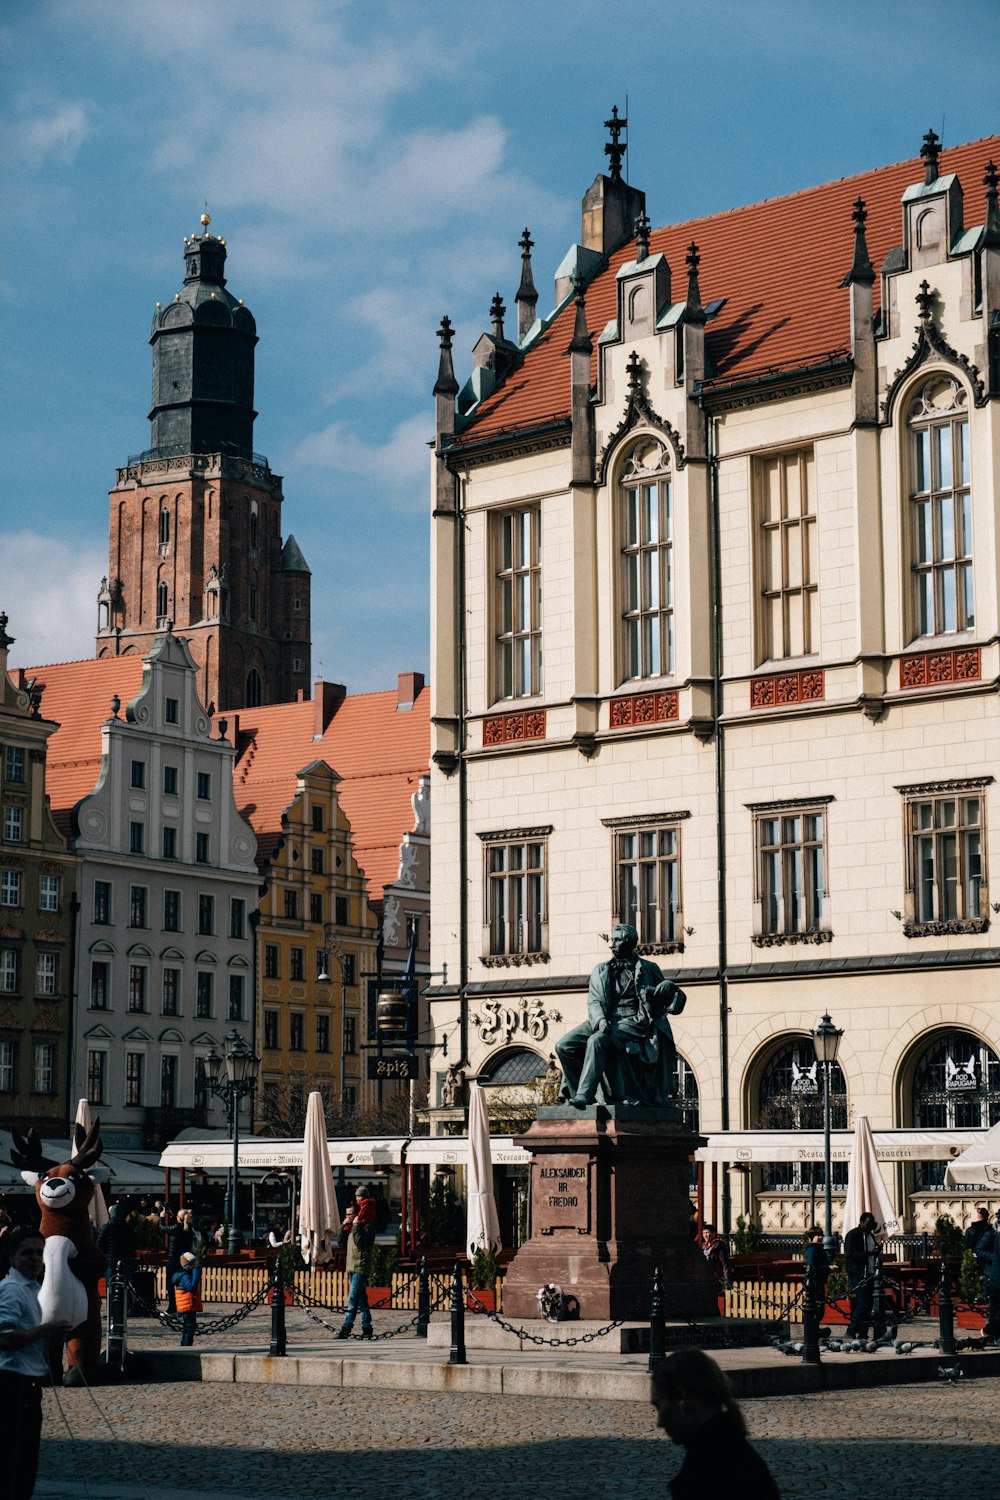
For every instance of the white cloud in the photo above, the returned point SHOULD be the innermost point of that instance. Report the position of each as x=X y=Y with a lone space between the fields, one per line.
x=48 y=590
x=54 y=134
x=397 y=468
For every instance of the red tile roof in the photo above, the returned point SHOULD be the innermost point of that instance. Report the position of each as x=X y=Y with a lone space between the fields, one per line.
x=778 y=263
x=77 y=695
x=379 y=753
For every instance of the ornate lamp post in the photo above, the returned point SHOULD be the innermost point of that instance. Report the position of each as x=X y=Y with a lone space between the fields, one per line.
x=826 y=1040
x=238 y=1082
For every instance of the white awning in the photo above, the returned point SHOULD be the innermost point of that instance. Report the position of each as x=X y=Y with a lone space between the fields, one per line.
x=979 y=1166
x=736 y=1146
x=262 y=1153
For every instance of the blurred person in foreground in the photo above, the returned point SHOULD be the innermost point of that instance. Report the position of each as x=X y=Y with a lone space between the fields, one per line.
x=694 y=1407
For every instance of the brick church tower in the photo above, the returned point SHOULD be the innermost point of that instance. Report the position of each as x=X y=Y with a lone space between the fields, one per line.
x=195 y=532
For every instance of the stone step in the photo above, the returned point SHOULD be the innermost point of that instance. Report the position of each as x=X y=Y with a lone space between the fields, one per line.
x=483 y=1331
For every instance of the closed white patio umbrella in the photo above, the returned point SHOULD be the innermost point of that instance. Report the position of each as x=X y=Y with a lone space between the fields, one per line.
x=866 y=1190
x=319 y=1216
x=979 y=1165
x=482 y=1225
x=97 y=1207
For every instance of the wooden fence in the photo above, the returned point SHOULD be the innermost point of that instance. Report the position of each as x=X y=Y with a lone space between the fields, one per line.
x=238 y=1284
x=762 y=1299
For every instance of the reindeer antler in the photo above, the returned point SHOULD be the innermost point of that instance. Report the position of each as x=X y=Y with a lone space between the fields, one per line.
x=28 y=1156
x=88 y=1145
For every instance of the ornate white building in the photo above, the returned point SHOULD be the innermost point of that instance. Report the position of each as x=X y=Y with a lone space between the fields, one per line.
x=716 y=593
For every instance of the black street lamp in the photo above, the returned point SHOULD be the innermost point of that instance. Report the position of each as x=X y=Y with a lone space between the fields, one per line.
x=238 y=1082
x=826 y=1040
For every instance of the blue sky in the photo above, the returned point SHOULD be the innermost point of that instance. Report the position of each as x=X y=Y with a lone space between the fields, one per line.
x=372 y=165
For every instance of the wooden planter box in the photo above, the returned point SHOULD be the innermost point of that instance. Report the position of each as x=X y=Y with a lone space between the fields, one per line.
x=485 y=1298
x=288 y=1299
x=968 y=1318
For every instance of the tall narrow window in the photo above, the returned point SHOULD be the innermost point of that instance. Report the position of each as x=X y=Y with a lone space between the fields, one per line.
x=205 y=996
x=237 y=988
x=134 y=1069
x=97 y=1077
x=516 y=917
x=788 y=565
x=168 y=1080
x=271 y=970
x=791 y=886
x=271 y=1034
x=102 y=902
x=14 y=763
x=137 y=978
x=164 y=527
x=48 y=893
x=648 y=881
x=647 y=534
x=8 y=1067
x=8 y=970
x=206 y=915
x=518 y=605
x=10 y=888
x=162 y=600
x=138 y=906
x=237 y=917
x=100 y=984
x=171 y=999
x=946 y=865
x=47 y=974
x=13 y=824
x=171 y=911
x=44 y=1070
x=940 y=510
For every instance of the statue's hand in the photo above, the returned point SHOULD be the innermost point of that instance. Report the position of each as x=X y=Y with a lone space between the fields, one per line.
x=602 y=1025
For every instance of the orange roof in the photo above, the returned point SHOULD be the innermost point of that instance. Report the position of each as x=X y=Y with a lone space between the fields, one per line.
x=77 y=695
x=379 y=753
x=778 y=264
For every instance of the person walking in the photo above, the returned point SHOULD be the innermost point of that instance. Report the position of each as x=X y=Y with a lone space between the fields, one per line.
x=24 y=1363
x=694 y=1407
x=187 y=1296
x=359 y=1228
x=861 y=1254
x=988 y=1251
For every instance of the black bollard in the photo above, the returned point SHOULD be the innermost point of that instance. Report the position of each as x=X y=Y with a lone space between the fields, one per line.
x=657 y=1342
x=423 y=1299
x=457 y=1355
x=278 y=1336
x=878 y=1300
x=946 y=1314
x=117 y=1293
x=810 y=1321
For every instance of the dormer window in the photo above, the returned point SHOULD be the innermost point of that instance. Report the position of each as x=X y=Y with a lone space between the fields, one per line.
x=940 y=509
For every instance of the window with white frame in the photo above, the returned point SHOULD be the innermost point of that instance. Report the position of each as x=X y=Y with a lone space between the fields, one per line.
x=102 y=902
x=43 y=1073
x=237 y=993
x=100 y=984
x=788 y=564
x=135 y=1068
x=515 y=899
x=204 y=995
x=97 y=1076
x=945 y=857
x=46 y=973
x=940 y=509
x=518 y=604
x=168 y=1080
x=14 y=763
x=647 y=875
x=13 y=823
x=646 y=528
x=8 y=1067
x=790 y=873
x=138 y=977
x=48 y=893
x=171 y=994
x=10 y=887
x=8 y=970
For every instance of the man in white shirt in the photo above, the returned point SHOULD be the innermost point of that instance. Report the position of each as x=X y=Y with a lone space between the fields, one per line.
x=24 y=1362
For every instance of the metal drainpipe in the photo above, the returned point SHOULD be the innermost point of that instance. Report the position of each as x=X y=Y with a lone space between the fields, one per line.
x=720 y=802
x=74 y=922
x=463 y=813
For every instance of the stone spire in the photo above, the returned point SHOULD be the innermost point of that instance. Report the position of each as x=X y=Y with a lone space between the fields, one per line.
x=579 y=351
x=642 y=228
x=925 y=302
x=497 y=314
x=615 y=149
x=862 y=271
x=991 y=228
x=931 y=152
x=445 y=391
x=610 y=205
x=446 y=384
x=694 y=312
x=527 y=296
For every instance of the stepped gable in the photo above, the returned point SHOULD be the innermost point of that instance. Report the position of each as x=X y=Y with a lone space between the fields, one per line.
x=780 y=266
x=378 y=752
x=77 y=696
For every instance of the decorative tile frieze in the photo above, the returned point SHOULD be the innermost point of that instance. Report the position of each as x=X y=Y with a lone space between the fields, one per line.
x=505 y=729
x=932 y=668
x=780 y=689
x=644 y=708
x=779 y=939
x=512 y=960
x=955 y=927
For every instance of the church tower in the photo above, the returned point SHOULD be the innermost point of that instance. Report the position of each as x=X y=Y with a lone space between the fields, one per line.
x=195 y=532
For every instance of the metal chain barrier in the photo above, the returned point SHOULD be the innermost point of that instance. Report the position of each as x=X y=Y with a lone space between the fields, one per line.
x=203 y=1330
x=309 y=1304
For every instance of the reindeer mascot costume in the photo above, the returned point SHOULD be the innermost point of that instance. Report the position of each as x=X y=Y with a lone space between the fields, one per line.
x=73 y=1263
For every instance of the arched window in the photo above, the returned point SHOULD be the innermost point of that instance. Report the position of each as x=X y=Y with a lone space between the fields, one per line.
x=790 y=1097
x=646 y=529
x=518 y=1067
x=255 y=689
x=940 y=506
x=164 y=527
x=162 y=600
x=254 y=528
x=956 y=1083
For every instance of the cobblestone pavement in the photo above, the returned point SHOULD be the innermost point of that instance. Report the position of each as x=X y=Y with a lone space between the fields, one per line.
x=170 y=1442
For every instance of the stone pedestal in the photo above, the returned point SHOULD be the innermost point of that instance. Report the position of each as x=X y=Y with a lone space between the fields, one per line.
x=609 y=1202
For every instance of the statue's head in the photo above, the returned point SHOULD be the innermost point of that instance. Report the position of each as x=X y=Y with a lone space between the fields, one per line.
x=624 y=940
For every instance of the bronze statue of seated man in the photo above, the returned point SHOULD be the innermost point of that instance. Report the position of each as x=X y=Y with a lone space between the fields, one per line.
x=625 y=1047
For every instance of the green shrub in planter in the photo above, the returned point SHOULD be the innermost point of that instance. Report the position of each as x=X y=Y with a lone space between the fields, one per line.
x=947 y=1236
x=484 y=1271
x=970 y=1279
x=291 y=1260
x=837 y=1285
x=385 y=1263
x=747 y=1236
